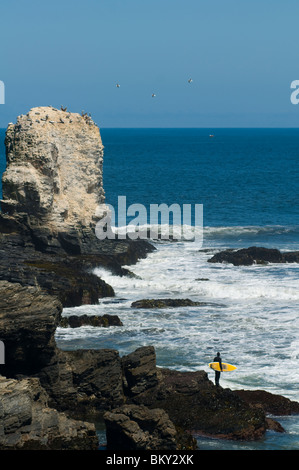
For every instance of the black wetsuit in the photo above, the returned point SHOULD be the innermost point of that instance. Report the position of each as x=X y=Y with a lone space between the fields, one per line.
x=217 y=373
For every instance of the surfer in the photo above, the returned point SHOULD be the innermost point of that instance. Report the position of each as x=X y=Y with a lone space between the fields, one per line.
x=217 y=373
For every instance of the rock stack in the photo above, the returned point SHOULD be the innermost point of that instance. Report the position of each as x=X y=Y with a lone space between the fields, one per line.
x=53 y=180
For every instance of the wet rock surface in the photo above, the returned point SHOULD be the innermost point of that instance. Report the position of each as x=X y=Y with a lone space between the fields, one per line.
x=134 y=427
x=194 y=403
x=75 y=321
x=254 y=255
x=167 y=303
x=269 y=402
x=62 y=274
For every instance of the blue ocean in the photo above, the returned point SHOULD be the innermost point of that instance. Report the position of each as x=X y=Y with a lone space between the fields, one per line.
x=248 y=184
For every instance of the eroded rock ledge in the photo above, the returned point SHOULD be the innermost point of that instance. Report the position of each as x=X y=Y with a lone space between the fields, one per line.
x=167 y=303
x=254 y=255
x=61 y=273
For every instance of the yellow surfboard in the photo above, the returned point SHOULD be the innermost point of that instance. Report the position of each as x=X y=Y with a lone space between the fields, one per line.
x=225 y=367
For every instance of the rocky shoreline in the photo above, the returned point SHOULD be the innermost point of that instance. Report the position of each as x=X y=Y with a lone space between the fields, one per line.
x=49 y=398
x=77 y=388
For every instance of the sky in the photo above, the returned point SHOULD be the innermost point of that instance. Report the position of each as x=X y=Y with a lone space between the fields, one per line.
x=241 y=55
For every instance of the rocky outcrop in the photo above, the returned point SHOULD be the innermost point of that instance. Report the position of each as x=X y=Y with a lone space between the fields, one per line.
x=84 y=383
x=191 y=400
x=139 y=371
x=84 y=380
x=195 y=404
x=54 y=172
x=134 y=427
x=53 y=183
x=276 y=405
x=254 y=255
x=75 y=321
x=167 y=303
x=28 y=320
x=28 y=423
x=66 y=276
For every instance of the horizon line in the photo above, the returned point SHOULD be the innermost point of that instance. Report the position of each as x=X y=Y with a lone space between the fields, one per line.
x=194 y=127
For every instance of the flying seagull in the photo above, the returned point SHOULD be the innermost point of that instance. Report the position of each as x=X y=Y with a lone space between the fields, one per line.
x=190 y=80
x=153 y=95
x=117 y=85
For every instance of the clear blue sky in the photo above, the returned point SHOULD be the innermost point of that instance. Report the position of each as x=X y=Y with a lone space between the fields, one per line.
x=242 y=56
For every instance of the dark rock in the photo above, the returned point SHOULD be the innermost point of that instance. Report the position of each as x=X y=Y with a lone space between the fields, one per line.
x=97 y=375
x=69 y=281
x=273 y=425
x=166 y=303
x=89 y=380
x=139 y=428
x=291 y=257
x=270 y=403
x=75 y=321
x=57 y=379
x=195 y=404
x=28 y=320
x=61 y=275
x=139 y=370
x=254 y=255
x=28 y=423
x=60 y=272
x=84 y=382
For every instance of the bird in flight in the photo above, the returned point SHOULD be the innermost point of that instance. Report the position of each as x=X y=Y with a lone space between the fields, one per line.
x=117 y=85
x=153 y=95
x=190 y=80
